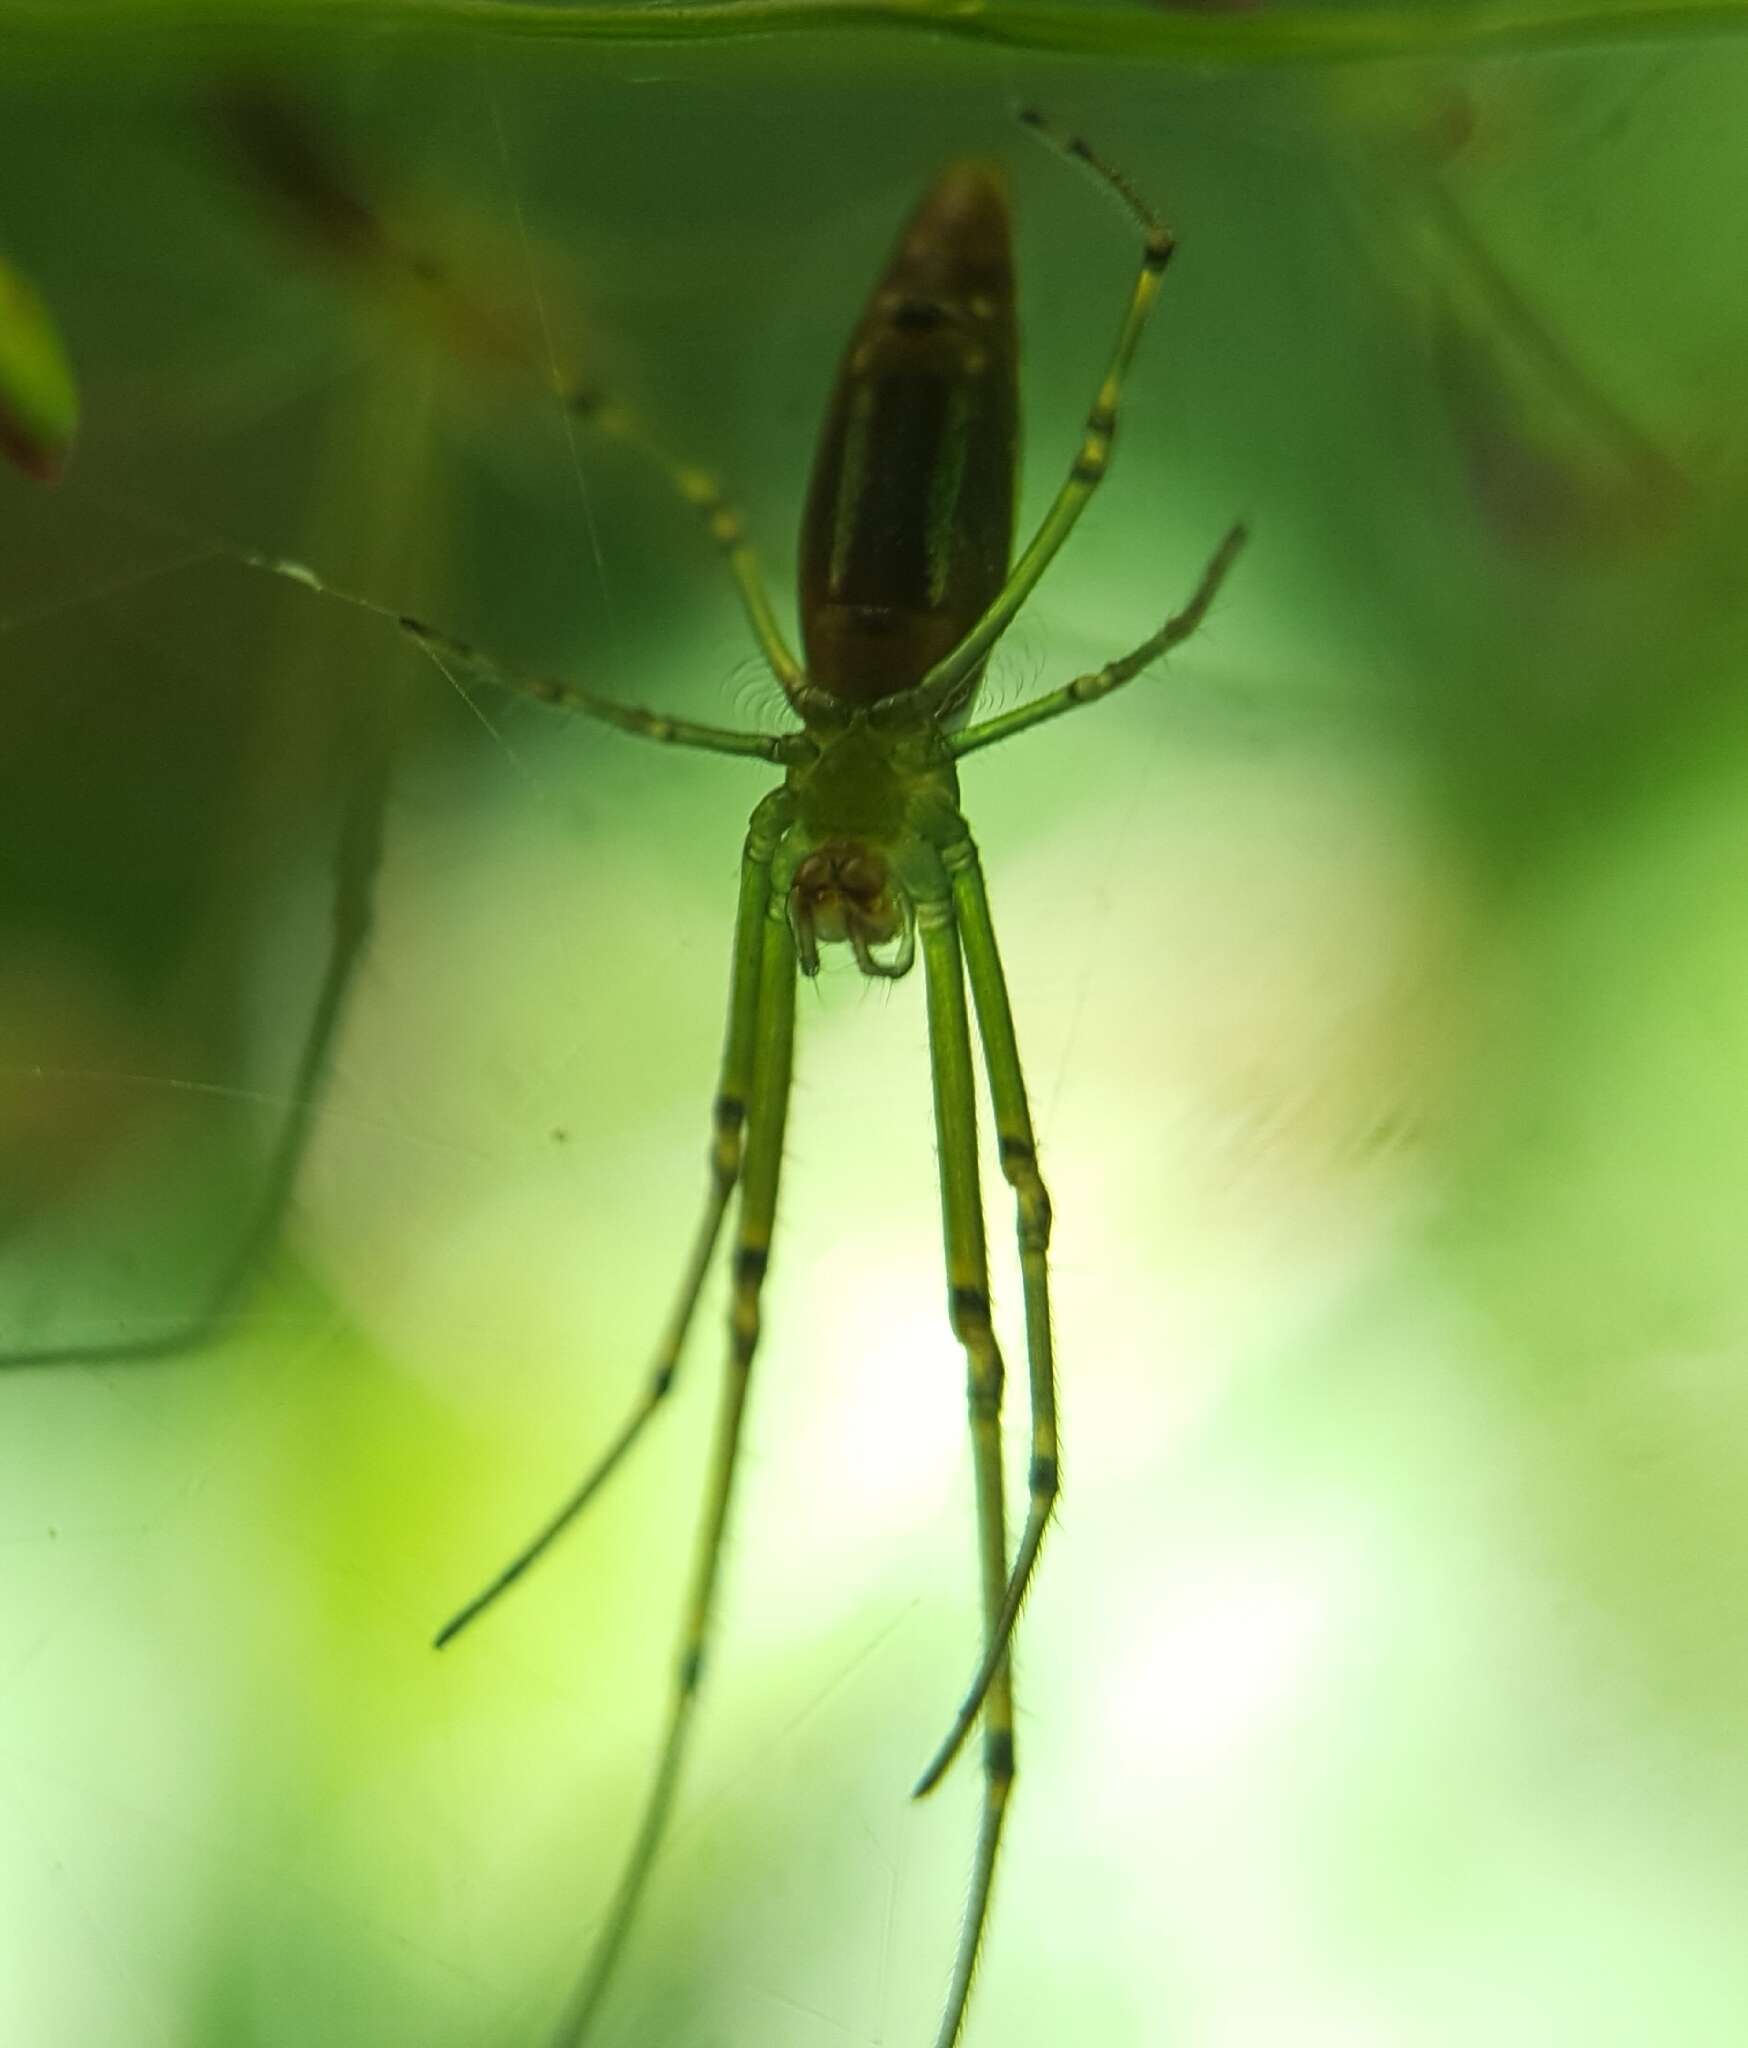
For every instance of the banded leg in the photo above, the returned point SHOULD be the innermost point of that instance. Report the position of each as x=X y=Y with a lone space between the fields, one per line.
x=448 y=652
x=317 y=194
x=767 y=1109
x=1100 y=682
x=769 y=821
x=1019 y=1165
x=936 y=694
x=721 y=520
x=358 y=855
x=968 y=1307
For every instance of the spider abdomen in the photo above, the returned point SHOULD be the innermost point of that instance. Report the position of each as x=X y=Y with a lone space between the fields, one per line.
x=908 y=528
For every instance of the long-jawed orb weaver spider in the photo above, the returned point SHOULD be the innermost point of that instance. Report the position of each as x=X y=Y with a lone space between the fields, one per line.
x=907 y=581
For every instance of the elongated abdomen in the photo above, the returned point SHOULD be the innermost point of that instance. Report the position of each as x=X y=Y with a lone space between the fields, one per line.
x=910 y=512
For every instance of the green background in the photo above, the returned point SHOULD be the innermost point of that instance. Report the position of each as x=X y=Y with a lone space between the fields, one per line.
x=1380 y=969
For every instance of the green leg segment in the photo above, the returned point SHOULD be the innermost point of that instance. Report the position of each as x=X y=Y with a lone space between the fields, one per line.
x=767 y=1109
x=451 y=654
x=941 y=687
x=722 y=522
x=1088 y=689
x=729 y=1118
x=1019 y=1163
x=968 y=1307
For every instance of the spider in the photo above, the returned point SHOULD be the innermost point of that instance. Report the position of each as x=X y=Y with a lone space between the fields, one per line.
x=906 y=583
x=908 y=579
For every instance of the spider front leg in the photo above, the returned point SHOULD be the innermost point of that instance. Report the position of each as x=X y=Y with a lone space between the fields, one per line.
x=1100 y=682
x=945 y=687
x=1019 y=1164
x=767 y=1111
x=319 y=198
x=720 y=518
x=1007 y=1087
x=735 y=1087
x=968 y=1309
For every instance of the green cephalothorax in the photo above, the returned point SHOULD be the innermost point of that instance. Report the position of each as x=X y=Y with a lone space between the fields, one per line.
x=908 y=579
x=859 y=801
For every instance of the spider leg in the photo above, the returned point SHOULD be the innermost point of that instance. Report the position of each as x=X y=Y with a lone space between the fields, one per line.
x=1019 y=1163
x=729 y=1113
x=720 y=518
x=767 y=1109
x=358 y=855
x=631 y=718
x=1088 y=689
x=968 y=1309
x=1013 y=1122
x=944 y=686
x=450 y=653
x=314 y=191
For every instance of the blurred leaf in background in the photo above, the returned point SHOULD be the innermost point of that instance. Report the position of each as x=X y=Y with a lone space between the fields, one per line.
x=1379 y=969
x=39 y=401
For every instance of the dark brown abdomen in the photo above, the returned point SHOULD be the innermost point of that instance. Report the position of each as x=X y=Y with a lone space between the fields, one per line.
x=910 y=512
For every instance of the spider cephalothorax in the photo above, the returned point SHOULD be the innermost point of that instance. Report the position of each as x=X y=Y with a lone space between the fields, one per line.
x=844 y=893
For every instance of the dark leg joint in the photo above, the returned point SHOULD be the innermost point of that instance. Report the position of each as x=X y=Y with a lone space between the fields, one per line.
x=691 y=1670
x=730 y=1113
x=998 y=1755
x=1017 y=1152
x=662 y=1385
x=750 y=1263
x=968 y=1306
x=1042 y=1476
x=1035 y=1220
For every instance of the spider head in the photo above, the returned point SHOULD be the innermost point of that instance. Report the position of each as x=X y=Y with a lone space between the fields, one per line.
x=844 y=894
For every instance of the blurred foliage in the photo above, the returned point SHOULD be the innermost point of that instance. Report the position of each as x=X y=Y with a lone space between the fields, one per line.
x=39 y=403
x=1167 y=32
x=1379 y=969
